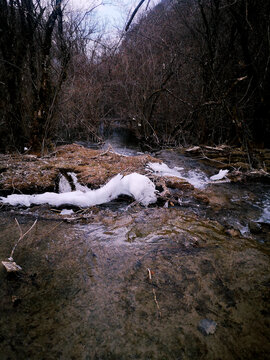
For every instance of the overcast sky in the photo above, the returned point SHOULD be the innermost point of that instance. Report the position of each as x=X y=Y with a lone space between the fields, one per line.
x=113 y=12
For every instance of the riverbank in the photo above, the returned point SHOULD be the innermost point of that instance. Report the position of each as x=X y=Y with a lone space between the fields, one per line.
x=24 y=173
x=186 y=277
x=34 y=174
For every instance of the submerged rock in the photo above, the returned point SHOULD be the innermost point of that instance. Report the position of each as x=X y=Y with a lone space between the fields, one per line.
x=233 y=232
x=207 y=326
x=254 y=227
x=178 y=183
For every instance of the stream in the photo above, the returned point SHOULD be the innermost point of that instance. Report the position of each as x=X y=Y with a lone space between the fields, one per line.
x=127 y=282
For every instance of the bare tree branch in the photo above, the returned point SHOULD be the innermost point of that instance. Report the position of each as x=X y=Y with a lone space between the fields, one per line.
x=133 y=14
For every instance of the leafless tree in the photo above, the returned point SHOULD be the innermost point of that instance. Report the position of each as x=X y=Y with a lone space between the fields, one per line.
x=34 y=57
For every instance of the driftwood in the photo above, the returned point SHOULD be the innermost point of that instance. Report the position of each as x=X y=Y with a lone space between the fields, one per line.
x=232 y=158
x=11 y=265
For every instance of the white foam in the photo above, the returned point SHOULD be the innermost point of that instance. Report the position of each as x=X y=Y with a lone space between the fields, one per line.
x=197 y=178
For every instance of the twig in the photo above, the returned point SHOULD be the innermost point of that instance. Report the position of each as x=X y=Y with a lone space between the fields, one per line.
x=110 y=149
x=147 y=5
x=14 y=188
x=20 y=229
x=155 y=299
x=154 y=292
x=61 y=222
x=21 y=237
x=149 y=274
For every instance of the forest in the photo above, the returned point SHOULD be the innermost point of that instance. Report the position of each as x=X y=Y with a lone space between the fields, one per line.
x=154 y=245
x=182 y=72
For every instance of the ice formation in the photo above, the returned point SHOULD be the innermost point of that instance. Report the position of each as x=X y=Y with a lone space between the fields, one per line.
x=138 y=186
x=195 y=177
x=220 y=175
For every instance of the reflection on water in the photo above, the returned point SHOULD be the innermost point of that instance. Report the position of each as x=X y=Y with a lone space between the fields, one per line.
x=86 y=291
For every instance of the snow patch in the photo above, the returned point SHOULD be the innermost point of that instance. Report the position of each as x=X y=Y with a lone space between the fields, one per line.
x=195 y=177
x=138 y=186
x=220 y=175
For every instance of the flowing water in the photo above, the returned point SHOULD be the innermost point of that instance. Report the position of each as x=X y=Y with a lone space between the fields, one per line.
x=232 y=204
x=139 y=283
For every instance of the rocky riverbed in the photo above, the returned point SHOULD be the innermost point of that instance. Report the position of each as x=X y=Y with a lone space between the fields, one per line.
x=140 y=283
x=185 y=278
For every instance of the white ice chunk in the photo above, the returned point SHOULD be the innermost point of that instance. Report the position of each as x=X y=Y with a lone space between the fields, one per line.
x=64 y=185
x=135 y=185
x=164 y=170
x=195 y=177
x=76 y=183
x=220 y=175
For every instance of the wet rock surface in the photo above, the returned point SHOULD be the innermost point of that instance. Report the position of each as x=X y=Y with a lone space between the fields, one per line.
x=254 y=227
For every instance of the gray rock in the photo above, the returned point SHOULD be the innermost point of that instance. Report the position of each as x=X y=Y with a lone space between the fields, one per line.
x=207 y=326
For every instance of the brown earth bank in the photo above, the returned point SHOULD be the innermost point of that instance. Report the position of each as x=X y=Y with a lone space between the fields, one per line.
x=30 y=173
x=232 y=158
x=24 y=173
